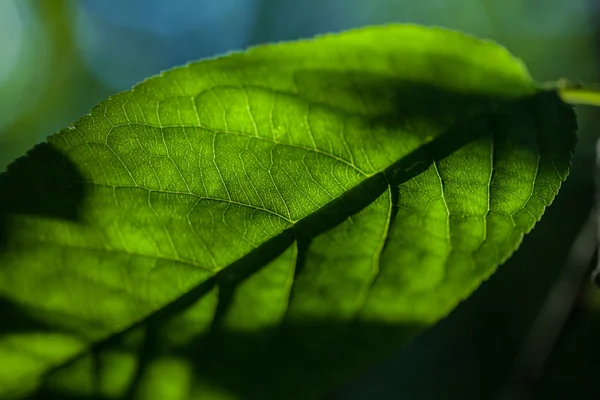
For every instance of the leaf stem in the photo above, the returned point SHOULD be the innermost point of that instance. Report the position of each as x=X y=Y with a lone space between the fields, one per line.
x=580 y=96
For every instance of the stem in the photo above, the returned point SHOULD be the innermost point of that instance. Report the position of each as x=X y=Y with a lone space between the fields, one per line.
x=580 y=96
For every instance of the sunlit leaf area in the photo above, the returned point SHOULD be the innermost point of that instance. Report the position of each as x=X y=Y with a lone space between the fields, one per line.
x=298 y=200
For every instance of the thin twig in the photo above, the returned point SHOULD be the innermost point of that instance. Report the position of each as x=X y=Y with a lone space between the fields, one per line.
x=551 y=320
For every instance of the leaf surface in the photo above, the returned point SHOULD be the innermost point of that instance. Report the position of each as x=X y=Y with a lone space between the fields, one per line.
x=263 y=224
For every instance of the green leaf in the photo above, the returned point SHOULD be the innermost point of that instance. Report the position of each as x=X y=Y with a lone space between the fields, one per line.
x=263 y=224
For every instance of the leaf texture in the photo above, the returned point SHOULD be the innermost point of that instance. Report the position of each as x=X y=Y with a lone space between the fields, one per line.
x=263 y=224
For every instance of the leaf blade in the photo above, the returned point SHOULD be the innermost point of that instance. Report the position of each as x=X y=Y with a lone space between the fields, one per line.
x=202 y=167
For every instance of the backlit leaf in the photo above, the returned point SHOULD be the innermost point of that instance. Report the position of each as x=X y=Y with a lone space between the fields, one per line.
x=263 y=224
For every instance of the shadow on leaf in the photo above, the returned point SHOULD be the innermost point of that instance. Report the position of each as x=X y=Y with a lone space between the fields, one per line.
x=289 y=360
x=43 y=183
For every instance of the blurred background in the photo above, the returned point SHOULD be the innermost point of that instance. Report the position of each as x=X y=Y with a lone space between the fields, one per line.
x=58 y=58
